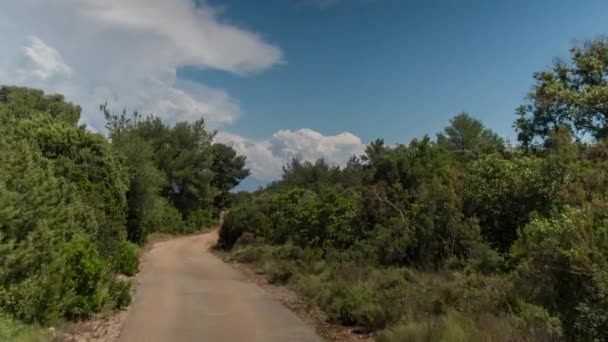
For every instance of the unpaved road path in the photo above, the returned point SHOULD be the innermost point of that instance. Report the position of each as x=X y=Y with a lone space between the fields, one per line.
x=185 y=294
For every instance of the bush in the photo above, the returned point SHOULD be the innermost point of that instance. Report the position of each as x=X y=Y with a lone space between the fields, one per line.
x=536 y=322
x=563 y=266
x=452 y=327
x=248 y=254
x=200 y=219
x=71 y=285
x=126 y=260
x=278 y=273
x=11 y=330
x=239 y=221
x=85 y=278
x=163 y=218
x=120 y=293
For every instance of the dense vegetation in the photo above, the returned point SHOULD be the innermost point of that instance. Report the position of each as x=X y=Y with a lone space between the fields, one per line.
x=458 y=238
x=74 y=204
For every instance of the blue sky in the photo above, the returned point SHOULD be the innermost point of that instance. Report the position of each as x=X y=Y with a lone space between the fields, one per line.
x=399 y=69
x=285 y=78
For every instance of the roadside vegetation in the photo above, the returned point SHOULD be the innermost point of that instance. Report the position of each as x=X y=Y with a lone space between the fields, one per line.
x=75 y=205
x=460 y=237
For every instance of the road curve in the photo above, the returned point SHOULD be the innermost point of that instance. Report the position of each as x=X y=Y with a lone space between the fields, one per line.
x=187 y=294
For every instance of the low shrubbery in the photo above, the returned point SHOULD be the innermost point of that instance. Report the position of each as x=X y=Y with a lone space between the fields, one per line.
x=120 y=293
x=405 y=303
x=200 y=219
x=11 y=330
x=126 y=260
x=85 y=276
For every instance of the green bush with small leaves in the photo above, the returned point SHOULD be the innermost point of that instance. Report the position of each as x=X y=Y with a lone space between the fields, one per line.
x=120 y=293
x=126 y=260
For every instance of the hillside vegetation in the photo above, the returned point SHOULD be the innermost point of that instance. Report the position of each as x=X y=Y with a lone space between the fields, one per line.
x=459 y=237
x=75 y=204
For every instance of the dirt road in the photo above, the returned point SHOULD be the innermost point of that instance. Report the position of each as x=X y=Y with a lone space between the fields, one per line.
x=187 y=294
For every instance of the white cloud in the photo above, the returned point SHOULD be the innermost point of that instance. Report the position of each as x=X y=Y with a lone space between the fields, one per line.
x=44 y=61
x=310 y=145
x=265 y=158
x=126 y=53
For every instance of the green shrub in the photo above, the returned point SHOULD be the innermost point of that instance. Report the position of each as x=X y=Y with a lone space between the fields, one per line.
x=199 y=219
x=71 y=285
x=279 y=272
x=453 y=327
x=126 y=260
x=239 y=221
x=563 y=266
x=11 y=330
x=247 y=238
x=248 y=254
x=536 y=323
x=85 y=277
x=163 y=218
x=120 y=293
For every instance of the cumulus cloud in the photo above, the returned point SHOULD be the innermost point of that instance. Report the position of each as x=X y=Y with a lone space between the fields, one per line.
x=265 y=158
x=127 y=53
x=43 y=61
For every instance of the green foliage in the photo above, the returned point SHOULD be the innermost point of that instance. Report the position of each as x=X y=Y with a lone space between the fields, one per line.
x=164 y=218
x=41 y=214
x=239 y=221
x=563 y=265
x=120 y=294
x=459 y=239
x=86 y=161
x=200 y=218
x=11 y=330
x=453 y=327
x=468 y=138
x=126 y=259
x=312 y=220
x=502 y=193
x=228 y=171
x=70 y=198
x=84 y=275
x=173 y=168
x=145 y=182
x=183 y=153
x=25 y=103
x=571 y=94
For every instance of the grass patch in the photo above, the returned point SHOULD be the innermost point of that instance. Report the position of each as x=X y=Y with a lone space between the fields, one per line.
x=12 y=330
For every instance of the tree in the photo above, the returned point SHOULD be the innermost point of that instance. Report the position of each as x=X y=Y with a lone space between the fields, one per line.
x=563 y=265
x=468 y=137
x=146 y=182
x=373 y=151
x=25 y=102
x=502 y=194
x=571 y=95
x=228 y=171
x=53 y=202
x=183 y=153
